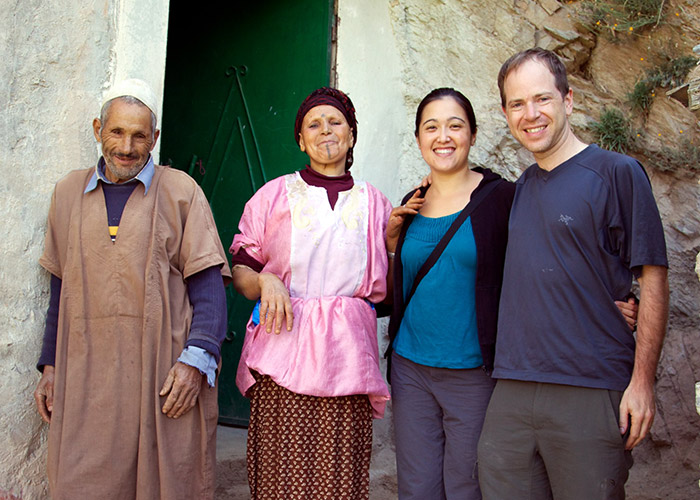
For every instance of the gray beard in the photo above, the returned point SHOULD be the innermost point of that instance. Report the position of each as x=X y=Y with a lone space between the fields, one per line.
x=123 y=175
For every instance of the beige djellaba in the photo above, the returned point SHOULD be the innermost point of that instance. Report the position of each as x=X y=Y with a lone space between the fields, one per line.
x=123 y=320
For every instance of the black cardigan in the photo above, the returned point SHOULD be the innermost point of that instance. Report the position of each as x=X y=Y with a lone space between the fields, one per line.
x=490 y=226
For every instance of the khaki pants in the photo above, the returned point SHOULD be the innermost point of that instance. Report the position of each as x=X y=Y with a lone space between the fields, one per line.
x=543 y=441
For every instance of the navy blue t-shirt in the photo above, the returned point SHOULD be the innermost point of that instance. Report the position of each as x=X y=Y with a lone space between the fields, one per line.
x=577 y=235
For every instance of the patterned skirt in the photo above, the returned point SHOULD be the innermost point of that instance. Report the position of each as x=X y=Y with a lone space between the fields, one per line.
x=306 y=447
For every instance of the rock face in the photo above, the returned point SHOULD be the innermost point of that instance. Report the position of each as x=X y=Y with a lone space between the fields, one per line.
x=462 y=44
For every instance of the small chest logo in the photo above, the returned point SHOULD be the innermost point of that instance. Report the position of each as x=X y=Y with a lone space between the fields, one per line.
x=565 y=219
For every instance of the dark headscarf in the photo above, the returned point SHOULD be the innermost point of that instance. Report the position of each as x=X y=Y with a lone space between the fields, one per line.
x=330 y=97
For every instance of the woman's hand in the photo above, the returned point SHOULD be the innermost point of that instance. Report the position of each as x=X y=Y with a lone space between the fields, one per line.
x=398 y=215
x=425 y=181
x=275 y=304
x=629 y=311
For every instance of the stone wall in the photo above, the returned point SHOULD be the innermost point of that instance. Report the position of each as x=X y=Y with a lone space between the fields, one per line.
x=369 y=69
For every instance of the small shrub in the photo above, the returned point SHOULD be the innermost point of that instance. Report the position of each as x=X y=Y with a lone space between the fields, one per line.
x=617 y=16
x=672 y=72
x=686 y=157
x=613 y=131
x=641 y=96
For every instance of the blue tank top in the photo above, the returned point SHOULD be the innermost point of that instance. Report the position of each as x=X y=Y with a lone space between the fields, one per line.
x=439 y=325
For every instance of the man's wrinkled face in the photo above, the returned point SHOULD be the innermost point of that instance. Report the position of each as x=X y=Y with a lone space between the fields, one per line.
x=127 y=139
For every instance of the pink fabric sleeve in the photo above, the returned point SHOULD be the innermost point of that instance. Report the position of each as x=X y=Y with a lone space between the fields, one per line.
x=251 y=227
x=380 y=209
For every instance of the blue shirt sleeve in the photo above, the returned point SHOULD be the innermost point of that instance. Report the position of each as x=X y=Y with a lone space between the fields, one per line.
x=638 y=233
x=48 y=348
x=209 y=320
x=202 y=360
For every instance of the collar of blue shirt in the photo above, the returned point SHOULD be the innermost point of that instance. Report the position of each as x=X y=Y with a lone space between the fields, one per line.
x=145 y=176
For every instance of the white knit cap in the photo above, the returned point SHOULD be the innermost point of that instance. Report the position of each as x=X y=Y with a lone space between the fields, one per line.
x=133 y=87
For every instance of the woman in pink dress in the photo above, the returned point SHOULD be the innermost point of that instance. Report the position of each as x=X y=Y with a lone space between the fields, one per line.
x=311 y=250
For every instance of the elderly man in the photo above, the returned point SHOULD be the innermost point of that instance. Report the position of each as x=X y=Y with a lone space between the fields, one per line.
x=136 y=318
x=575 y=392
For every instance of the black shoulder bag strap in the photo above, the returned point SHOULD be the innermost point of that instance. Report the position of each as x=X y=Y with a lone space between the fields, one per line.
x=442 y=244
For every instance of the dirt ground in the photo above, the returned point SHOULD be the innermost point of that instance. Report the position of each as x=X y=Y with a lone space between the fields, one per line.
x=647 y=481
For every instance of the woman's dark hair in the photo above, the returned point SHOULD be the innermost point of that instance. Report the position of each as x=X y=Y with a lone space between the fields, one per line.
x=441 y=93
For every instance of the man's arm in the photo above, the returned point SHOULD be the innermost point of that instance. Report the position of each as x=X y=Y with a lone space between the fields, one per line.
x=48 y=347
x=182 y=386
x=207 y=295
x=637 y=408
x=43 y=394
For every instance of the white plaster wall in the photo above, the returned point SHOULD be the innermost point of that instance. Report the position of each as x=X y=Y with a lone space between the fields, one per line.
x=368 y=69
x=140 y=46
x=391 y=53
x=58 y=57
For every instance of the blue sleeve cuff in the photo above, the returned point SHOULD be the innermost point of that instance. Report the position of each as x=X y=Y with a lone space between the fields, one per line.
x=202 y=360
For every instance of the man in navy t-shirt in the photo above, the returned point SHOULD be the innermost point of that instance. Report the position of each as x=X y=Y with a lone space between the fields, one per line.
x=576 y=390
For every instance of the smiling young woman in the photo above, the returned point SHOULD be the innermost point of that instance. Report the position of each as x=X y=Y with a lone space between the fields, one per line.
x=443 y=339
x=445 y=136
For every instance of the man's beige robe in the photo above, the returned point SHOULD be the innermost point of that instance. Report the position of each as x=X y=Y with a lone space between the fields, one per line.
x=123 y=321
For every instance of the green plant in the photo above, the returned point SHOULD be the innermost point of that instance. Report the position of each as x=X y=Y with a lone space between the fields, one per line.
x=615 y=16
x=613 y=131
x=671 y=72
x=686 y=157
x=641 y=96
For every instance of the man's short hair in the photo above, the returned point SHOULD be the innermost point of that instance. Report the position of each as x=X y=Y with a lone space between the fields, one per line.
x=104 y=113
x=546 y=57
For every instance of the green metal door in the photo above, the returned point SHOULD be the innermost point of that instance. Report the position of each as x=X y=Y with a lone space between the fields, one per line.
x=235 y=76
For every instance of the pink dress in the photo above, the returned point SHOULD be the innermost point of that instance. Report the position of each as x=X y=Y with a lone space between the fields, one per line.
x=334 y=263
